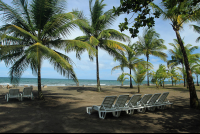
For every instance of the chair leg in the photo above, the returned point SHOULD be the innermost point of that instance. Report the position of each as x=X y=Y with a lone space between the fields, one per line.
x=164 y=107
x=32 y=97
x=102 y=115
x=7 y=97
x=116 y=114
x=161 y=107
x=151 y=108
x=130 y=111
x=89 y=110
x=142 y=110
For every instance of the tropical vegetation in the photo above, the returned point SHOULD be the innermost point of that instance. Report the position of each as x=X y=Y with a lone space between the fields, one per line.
x=178 y=59
x=33 y=33
x=180 y=12
x=122 y=78
x=151 y=44
x=98 y=34
x=160 y=75
x=174 y=76
x=139 y=75
x=131 y=61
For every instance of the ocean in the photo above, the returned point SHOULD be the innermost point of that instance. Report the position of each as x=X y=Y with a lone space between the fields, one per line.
x=69 y=82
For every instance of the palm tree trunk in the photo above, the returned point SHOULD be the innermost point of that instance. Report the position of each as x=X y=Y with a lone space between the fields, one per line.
x=194 y=102
x=172 y=81
x=97 y=66
x=147 y=70
x=138 y=88
x=163 y=84
x=197 y=81
x=131 y=85
x=40 y=94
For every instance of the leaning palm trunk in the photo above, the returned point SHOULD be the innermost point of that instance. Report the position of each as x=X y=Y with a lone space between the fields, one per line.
x=97 y=65
x=183 y=74
x=194 y=102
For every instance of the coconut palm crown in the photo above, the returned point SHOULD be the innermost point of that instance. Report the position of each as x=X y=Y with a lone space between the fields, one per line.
x=131 y=61
x=151 y=44
x=33 y=33
x=99 y=35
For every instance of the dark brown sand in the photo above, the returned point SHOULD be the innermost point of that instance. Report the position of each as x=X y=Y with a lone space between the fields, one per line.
x=64 y=111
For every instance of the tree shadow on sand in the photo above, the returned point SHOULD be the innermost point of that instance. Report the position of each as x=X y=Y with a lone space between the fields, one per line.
x=52 y=115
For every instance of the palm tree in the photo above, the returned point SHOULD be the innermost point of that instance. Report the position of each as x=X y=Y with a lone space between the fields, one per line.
x=99 y=36
x=197 y=69
x=34 y=33
x=139 y=75
x=177 y=55
x=160 y=75
x=197 y=73
x=175 y=76
x=122 y=78
x=130 y=62
x=180 y=12
x=150 y=44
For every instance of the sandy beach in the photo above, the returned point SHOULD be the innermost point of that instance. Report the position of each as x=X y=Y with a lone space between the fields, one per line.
x=64 y=111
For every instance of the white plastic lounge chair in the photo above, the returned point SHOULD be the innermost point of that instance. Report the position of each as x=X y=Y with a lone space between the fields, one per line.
x=151 y=102
x=105 y=107
x=162 y=102
x=133 y=104
x=143 y=101
x=120 y=104
x=13 y=93
x=27 y=93
x=1 y=86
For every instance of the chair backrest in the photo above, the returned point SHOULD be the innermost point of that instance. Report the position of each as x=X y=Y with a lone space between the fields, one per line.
x=121 y=101
x=27 y=90
x=145 y=98
x=134 y=99
x=108 y=102
x=153 y=99
x=162 y=97
x=13 y=92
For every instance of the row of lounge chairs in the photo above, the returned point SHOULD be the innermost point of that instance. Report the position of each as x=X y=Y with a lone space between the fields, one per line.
x=14 y=93
x=148 y=101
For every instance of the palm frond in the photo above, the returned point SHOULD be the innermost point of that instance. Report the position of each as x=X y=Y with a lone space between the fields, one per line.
x=19 y=30
x=13 y=15
x=78 y=46
x=112 y=34
x=118 y=67
x=18 y=68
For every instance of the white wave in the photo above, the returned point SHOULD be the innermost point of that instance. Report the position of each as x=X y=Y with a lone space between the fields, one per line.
x=5 y=84
x=55 y=84
x=96 y=84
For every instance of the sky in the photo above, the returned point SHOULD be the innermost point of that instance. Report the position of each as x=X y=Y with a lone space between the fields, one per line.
x=86 y=69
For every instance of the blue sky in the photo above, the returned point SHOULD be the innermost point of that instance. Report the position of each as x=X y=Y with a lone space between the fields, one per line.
x=86 y=69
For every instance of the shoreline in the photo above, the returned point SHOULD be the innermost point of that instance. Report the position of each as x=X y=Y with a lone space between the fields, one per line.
x=74 y=85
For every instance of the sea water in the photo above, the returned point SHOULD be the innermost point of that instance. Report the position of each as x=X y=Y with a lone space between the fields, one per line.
x=70 y=82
